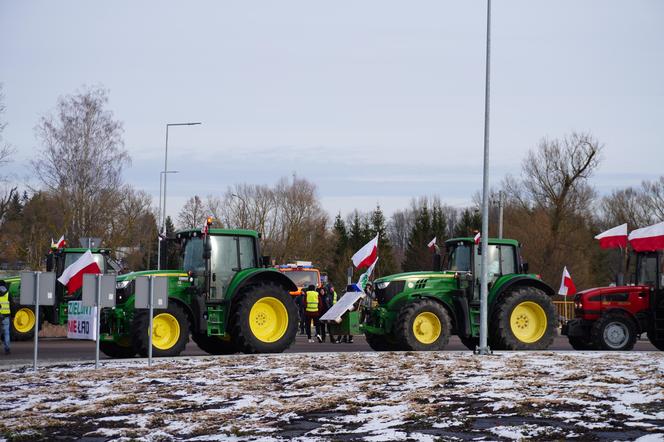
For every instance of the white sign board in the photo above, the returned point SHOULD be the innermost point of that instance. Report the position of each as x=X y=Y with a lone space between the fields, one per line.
x=345 y=304
x=81 y=321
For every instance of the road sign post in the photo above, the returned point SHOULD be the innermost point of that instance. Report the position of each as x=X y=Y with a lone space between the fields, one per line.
x=37 y=288
x=151 y=293
x=98 y=291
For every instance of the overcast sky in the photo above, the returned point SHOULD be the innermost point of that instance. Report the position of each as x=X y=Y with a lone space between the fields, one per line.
x=374 y=101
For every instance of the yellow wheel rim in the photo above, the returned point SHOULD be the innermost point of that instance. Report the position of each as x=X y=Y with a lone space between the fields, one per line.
x=165 y=331
x=528 y=322
x=24 y=320
x=427 y=327
x=268 y=319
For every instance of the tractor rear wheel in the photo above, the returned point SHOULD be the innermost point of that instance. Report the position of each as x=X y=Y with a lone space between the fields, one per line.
x=524 y=319
x=578 y=343
x=380 y=342
x=659 y=344
x=170 y=331
x=614 y=331
x=122 y=349
x=22 y=326
x=264 y=320
x=213 y=345
x=423 y=325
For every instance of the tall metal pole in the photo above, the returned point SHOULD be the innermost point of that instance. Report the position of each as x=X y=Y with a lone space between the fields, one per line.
x=161 y=177
x=151 y=311
x=501 y=206
x=98 y=322
x=484 y=287
x=36 y=349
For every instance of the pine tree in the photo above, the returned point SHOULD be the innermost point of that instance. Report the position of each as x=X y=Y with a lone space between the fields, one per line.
x=342 y=253
x=418 y=256
x=172 y=249
x=470 y=222
x=386 y=264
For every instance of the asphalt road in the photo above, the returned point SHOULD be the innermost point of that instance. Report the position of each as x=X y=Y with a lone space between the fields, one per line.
x=61 y=349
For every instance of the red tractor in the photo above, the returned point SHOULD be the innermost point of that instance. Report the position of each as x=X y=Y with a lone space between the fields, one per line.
x=612 y=318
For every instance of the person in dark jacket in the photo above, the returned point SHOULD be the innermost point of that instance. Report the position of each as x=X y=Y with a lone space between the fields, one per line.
x=328 y=301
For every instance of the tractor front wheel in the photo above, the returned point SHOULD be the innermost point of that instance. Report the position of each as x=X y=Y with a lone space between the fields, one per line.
x=264 y=320
x=423 y=325
x=614 y=331
x=524 y=319
x=213 y=345
x=170 y=331
x=22 y=326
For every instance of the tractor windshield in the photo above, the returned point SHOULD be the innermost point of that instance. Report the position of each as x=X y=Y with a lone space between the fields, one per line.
x=458 y=258
x=647 y=269
x=193 y=256
x=71 y=258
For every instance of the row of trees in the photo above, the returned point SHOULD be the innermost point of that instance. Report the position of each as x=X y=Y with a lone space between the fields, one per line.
x=551 y=207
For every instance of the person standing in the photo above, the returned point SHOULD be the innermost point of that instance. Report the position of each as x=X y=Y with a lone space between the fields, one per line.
x=5 y=313
x=328 y=302
x=312 y=312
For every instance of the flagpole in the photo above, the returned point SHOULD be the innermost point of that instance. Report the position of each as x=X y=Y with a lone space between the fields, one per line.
x=484 y=287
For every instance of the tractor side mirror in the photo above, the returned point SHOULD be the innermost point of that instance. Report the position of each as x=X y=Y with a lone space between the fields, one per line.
x=525 y=267
x=265 y=261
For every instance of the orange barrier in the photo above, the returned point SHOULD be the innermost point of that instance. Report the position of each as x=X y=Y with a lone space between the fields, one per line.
x=564 y=310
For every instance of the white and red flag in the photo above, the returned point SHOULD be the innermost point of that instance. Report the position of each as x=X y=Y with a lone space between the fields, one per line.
x=366 y=255
x=567 y=287
x=432 y=244
x=613 y=238
x=60 y=244
x=477 y=238
x=648 y=239
x=72 y=277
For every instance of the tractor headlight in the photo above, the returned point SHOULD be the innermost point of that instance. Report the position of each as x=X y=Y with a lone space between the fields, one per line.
x=122 y=284
x=382 y=285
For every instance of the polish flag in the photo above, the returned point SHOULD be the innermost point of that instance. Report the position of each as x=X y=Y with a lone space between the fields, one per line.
x=478 y=237
x=567 y=287
x=366 y=255
x=613 y=238
x=648 y=239
x=58 y=245
x=72 y=277
x=432 y=244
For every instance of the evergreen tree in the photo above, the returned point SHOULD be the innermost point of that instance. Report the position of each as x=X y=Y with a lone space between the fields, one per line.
x=359 y=233
x=172 y=248
x=418 y=256
x=342 y=254
x=438 y=224
x=386 y=264
x=470 y=222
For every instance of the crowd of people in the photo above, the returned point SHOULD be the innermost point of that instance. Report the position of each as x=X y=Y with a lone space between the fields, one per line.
x=313 y=303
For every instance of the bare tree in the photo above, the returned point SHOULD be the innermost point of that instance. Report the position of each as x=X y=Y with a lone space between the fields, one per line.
x=193 y=214
x=6 y=154
x=625 y=206
x=81 y=160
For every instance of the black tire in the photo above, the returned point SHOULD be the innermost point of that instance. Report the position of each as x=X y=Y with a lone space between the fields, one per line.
x=501 y=336
x=140 y=335
x=579 y=343
x=470 y=343
x=116 y=350
x=404 y=328
x=243 y=337
x=380 y=342
x=213 y=345
x=614 y=331
x=16 y=335
x=659 y=344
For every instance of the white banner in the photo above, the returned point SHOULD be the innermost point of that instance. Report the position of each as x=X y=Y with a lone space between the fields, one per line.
x=346 y=303
x=81 y=321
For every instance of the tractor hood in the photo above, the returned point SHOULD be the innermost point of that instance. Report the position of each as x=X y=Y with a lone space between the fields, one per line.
x=388 y=287
x=585 y=294
x=124 y=280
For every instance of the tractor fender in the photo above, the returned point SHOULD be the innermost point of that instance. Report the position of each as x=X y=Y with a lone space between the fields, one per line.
x=523 y=280
x=263 y=276
x=642 y=322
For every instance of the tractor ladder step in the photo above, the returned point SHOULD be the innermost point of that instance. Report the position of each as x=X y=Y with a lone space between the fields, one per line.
x=215 y=321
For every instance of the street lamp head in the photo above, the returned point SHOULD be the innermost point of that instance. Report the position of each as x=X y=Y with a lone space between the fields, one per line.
x=184 y=124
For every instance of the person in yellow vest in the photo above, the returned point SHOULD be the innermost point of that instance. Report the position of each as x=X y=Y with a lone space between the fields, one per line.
x=312 y=309
x=5 y=314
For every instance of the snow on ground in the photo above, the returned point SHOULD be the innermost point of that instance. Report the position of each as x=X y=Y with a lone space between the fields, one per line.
x=342 y=396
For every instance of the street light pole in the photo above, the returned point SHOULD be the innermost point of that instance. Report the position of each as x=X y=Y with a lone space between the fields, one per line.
x=165 y=172
x=159 y=238
x=484 y=287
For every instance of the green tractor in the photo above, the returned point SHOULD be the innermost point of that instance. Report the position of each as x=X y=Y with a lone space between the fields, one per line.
x=23 y=317
x=420 y=310
x=225 y=296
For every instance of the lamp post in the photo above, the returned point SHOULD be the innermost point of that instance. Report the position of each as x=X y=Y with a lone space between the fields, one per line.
x=159 y=239
x=244 y=208
x=164 y=173
x=484 y=287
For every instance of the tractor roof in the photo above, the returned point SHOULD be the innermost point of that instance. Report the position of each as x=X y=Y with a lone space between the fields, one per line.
x=234 y=232
x=497 y=241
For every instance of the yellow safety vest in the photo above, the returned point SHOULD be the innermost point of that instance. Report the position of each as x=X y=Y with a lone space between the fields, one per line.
x=334 y=297
x=4 y=304
x=312 y=301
